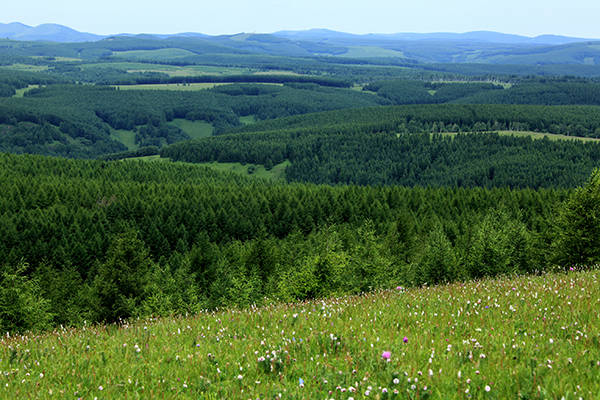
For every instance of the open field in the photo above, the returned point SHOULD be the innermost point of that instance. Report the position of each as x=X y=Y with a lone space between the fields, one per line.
x=172 y=70
x=25 y=67
x=276 y=173
x=248 y=119
x=126 y=137
x=21 y=92
x=371 y=51
x=526 y=337
x=537 y=135
x=188 y=87
x=159 y=54
x=195 y=129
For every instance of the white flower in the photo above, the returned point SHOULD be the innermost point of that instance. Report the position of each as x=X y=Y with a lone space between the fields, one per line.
x=487 y=388
x=240 y=377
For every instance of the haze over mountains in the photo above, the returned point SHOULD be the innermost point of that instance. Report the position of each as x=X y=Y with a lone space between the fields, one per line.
x=64 y=34
x=470 y=47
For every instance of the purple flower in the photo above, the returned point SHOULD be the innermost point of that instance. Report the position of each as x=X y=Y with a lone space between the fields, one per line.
x=386 y=355
x=405 y=340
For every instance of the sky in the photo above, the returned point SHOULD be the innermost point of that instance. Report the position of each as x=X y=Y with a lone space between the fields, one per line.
x=525 y=17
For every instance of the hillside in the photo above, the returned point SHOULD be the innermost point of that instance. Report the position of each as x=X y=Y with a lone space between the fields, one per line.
x=511 y=337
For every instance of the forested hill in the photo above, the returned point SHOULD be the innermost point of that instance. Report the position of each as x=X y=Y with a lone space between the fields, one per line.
x=414 y=145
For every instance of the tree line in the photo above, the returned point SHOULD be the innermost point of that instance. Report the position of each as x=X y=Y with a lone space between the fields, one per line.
x=97 y=240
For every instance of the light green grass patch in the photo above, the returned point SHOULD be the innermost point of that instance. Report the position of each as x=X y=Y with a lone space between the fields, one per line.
x=21 y=92
x=277 y=173
x=248 y=119
x=187 y=87
x=126 y=137
x=171 y=70
x=370 y=51
x=158 y=54
x=58 y=59
x=533 y=135
x=26 y=67
x=195 y=129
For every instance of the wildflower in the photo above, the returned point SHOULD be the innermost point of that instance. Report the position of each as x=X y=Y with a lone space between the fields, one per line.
x=240 y=377
x=386 y=355
x=100 y=388
x=487 y=388
x=396 y=381
x=301 y=382
x=405 y=339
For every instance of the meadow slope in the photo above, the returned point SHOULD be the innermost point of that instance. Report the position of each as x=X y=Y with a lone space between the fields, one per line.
x=524 y=337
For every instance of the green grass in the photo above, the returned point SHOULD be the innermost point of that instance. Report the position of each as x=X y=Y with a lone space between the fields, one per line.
x=172 y=70
x=19 y=93
x=277 y=173
x=186 y=87
x=189 y=87
x=537 y=135
x=25 y=67
x=158 y=54
x=195 y=129
x=527 y=337
x=371 y=51
x=248 y=119
x=125 y=137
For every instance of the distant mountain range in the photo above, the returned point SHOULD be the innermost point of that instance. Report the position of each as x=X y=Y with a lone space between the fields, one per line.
x=64 y=34
x=477 y=36
x=45 y=32
x=482 y=47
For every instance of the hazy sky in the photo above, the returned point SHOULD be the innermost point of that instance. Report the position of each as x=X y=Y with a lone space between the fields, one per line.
x=526 y=17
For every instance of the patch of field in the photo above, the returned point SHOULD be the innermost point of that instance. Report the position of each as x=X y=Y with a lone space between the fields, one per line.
x=189 y=87
x=26 y=67
x=248 y=119
x=551 y=136
x=370 y=51
x=21 y=92
x=536 y=135
x=519 y=337
x=125 y=137
x=505 y=85
x=155 y=157
x=57 y=59
x=171 y=70
x=277 y=72
x=195 y=129
x=277 y=173
x=158 y=54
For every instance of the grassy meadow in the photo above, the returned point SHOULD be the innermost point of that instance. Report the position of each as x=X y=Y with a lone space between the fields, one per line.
x=520 y=337
x=537 y=135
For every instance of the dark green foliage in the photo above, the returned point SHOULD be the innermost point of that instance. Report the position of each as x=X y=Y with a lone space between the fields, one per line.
x=578 y=229
x=421 y=92
x=76 y=120
x=120 y=283
x=108 y=240
x=354 y=157
x=22 y=306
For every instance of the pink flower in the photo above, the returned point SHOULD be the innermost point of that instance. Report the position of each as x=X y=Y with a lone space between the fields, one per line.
x=405 y=340
x=386 y=355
